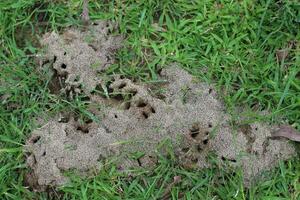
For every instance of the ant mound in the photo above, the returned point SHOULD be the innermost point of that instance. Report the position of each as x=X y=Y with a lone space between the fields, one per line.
x=187 y=114
x=136 y=120
x=76 y=57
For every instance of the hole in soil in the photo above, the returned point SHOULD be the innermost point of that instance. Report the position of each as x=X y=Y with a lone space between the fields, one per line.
x=185 y=150
x=77 y=78
x=116 y=116
x=82 y=129
x=132 y=92
x=93 y=47
x=205 y=141
x=44 y=153
x=35 y=139
x=108 y=58
x=100 y=158
x=152 y=110
x=85 y=98
x=54 y=59
x=228 y=159
x=145 y=115
x=199 y=148
x=88 y=121
x=106 y=129
x=65 y=53
x=194 y=131
x=210 y=125
x=122 y=85
x=64 y=66
x=141 y=104
x=118 y=97
x=95 y=24
x=210 y=91
x=127 y=105
x=159 y=71
x=45 y=62
x=122 y=77
x=139 y=162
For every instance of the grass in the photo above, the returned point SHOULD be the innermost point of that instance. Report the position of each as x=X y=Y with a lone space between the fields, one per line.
x=230 y=43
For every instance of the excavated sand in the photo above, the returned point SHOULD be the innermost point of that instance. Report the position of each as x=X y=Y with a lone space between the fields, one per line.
x=138 y=118
x=78 y=56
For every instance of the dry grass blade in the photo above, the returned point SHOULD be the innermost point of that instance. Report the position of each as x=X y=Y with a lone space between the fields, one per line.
x=167 y=192
x=287 y=132
x=85 y=13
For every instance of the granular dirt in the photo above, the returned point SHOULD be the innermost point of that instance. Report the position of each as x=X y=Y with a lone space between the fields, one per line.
x=135 y=119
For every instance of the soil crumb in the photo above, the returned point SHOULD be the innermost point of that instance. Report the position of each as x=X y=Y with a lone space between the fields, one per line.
x=137 y=121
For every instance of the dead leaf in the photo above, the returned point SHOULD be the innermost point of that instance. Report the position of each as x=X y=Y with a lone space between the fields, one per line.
x=287 y=132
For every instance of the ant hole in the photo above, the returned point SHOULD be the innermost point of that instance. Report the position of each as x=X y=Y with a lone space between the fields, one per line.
x=145 y=114
x=93 y=47
x=122 y=85
x=44 y=153
x=100 y=158
x=82 y=129
x=116 y=116
x=119 y=97
x=210 y=125
x=210 y=91
x=133 y=92
x=199 y=148
x=256 y=128
x=141 y=104
x=152 y=110
x=205 y=141
x=228 y=159
x=35 y=139
x=54 y=59
x=159 y=71
x=185 y=150
x=122 y=77
x=127 y=105
x=139 y=162
x=64 y=66
x=45 y=62
x=194 y=131
x=65 y=53
x=88 y=121
x=95 y=24
x=206 y=133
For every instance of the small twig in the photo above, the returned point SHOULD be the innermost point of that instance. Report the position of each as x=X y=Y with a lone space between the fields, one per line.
x=287 y=132
x=168 y=190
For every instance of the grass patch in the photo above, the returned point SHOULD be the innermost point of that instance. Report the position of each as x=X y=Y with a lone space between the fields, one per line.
x=230 y=43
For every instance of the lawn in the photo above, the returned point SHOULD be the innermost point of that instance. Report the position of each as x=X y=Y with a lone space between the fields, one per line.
x=236 y=45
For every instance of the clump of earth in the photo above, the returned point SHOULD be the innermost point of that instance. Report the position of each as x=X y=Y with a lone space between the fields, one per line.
x=136 y=120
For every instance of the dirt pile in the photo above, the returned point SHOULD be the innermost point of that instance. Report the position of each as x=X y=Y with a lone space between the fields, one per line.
x=76 y=57
x=136 y=118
